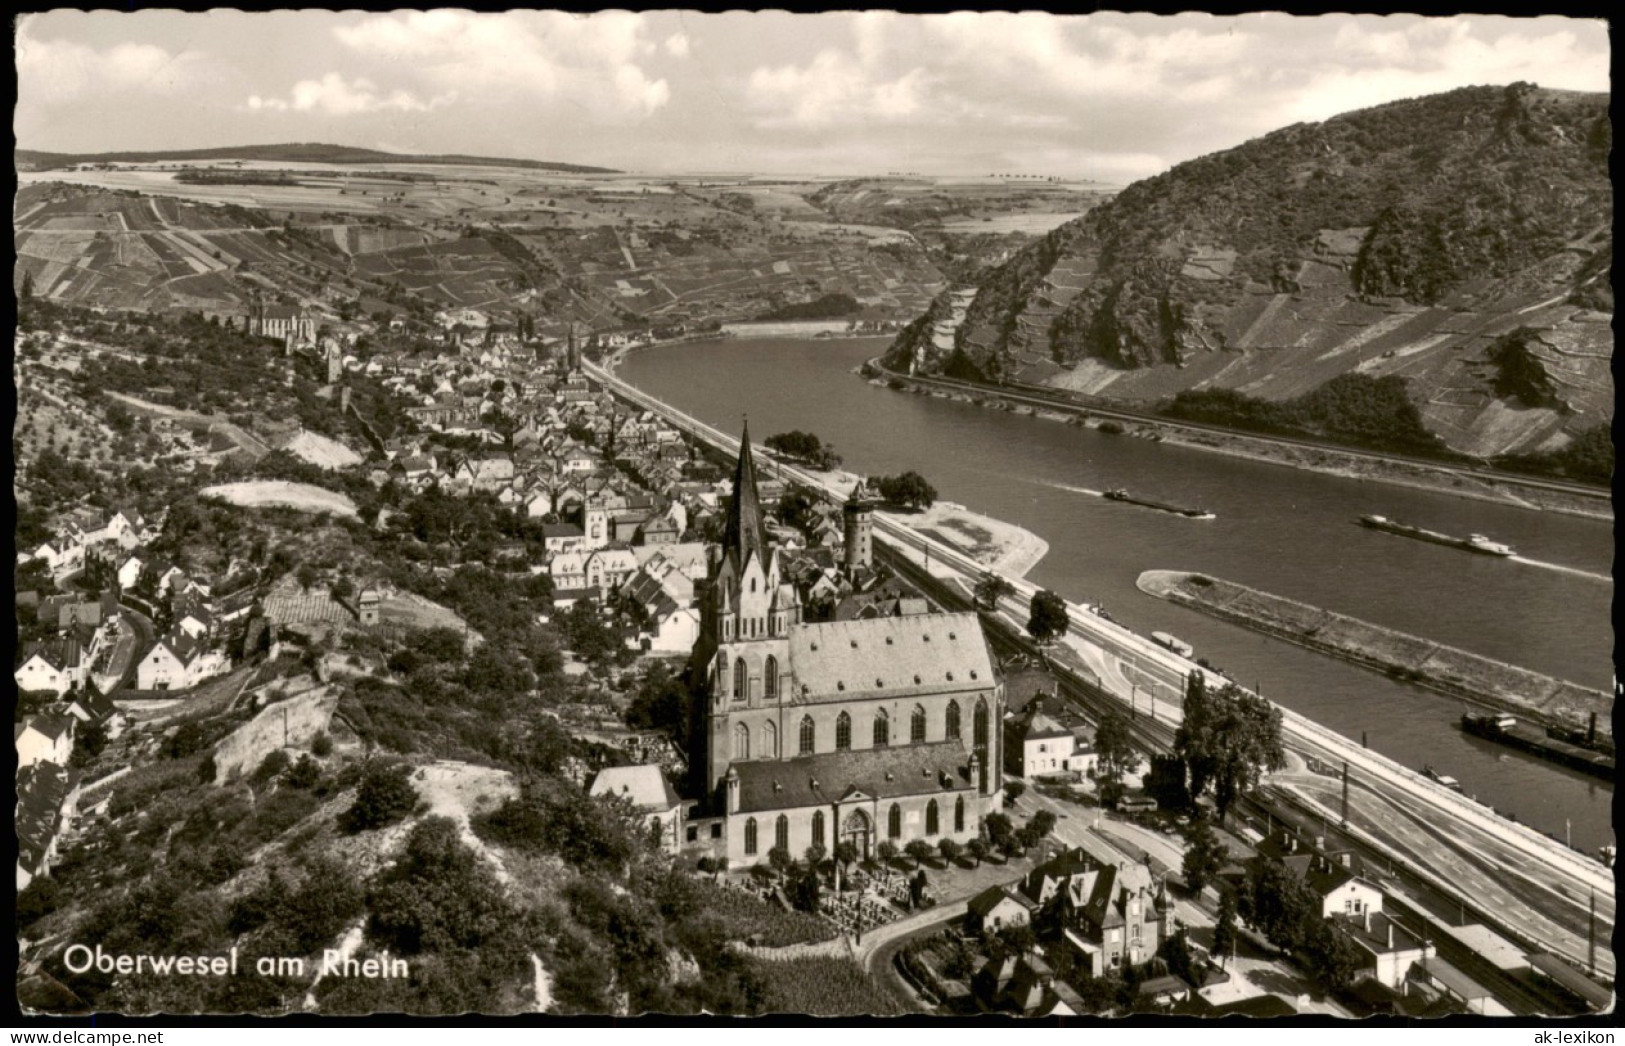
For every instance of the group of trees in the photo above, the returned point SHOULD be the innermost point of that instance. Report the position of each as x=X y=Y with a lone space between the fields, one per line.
x=1280 y=905
x=908 y=490
x=1227 y=738
x=1047 y=619
x=1351 y=408
x=806 y=448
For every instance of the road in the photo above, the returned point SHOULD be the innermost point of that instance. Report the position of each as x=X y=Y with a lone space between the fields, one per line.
x=1522 y=882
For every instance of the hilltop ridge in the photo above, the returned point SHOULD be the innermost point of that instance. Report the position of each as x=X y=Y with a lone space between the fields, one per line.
x=1460 y=242
x=288 y=152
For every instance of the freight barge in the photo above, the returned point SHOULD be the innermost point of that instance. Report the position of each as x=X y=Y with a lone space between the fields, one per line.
x=1161 y=506
x=1595 y=758
x=1473 y=543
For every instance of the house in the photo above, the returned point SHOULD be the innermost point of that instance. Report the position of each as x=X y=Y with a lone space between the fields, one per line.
x=44 y=739
x=47 y=800
x=650 y=794
x=562 y=537
x=607 y=568
x=996 y=908
x=1036 y=744
x=657 y=530
x=177 y=661
x=194 y=619
x=1387 y=948
x=93 y=706
x=1339 y=890
x=129 y=570
x=568 y=570
x=1113 y=914
x=56 y=665
x=1164 y=991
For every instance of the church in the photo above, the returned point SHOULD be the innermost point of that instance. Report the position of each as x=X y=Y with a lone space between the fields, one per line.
x=858 y=731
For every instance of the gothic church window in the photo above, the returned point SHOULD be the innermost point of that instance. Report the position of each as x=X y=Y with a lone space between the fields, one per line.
x=916 y=727
x=770 y=741
x=807 y=731
x=818 y=828
x=741 y=741
x=959 y=814
x=770 y=679
x=931 y=818
x=894 y=822
x=843 y=732
x=781 y=833
x=741 y=679
x=882 y=729
x=953 y=721
x=750 y=836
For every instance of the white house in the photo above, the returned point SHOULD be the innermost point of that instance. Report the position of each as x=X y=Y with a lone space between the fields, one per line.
x=608 y=567
x=176 y=662
x=44 y=739
x=57 y=666
x=1036 y=744
x=650 y=794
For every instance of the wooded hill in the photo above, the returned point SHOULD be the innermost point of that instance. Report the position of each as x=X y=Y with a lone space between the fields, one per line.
x=1401 y=240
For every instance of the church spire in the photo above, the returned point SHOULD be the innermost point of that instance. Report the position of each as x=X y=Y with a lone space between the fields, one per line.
x=745 y=531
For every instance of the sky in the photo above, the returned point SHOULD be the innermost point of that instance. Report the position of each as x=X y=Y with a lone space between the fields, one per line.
x=1106 y=97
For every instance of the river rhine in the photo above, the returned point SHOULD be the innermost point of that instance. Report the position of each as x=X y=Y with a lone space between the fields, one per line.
x=1286 y=531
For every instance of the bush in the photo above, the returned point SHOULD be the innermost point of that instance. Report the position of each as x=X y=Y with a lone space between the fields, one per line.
x=322 y=745
x=384 y=797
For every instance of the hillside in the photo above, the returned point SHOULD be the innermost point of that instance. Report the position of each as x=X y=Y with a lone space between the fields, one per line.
x=292 y=152
x=1461 y=242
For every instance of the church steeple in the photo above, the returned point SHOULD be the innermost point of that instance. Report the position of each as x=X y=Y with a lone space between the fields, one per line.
x=745 y=531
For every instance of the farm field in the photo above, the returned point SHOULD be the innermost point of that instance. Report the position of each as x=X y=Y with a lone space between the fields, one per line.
x=609 y=251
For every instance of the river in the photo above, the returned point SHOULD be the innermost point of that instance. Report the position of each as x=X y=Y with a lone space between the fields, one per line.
x=1286 y=531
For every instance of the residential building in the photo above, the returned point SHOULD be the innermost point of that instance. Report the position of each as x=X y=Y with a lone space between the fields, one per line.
x=650 y=794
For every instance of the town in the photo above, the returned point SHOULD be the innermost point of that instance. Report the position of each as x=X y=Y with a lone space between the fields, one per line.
x=665 y=594
x=451 y=580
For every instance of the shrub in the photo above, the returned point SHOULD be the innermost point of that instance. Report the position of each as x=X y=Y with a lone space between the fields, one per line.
x=384 y=797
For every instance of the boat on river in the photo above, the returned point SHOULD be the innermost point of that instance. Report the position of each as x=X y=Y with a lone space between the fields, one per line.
x=1126 y=498
x=1174 y=643
x=1472 y=543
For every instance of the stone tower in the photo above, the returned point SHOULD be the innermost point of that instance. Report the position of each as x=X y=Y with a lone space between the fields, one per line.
x=858 y=519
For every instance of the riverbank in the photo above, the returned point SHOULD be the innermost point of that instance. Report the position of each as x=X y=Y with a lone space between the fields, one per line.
x=995 y=544
x=1448 y=670
x=1332 y=461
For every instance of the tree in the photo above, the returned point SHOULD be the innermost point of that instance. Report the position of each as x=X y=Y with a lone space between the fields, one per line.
x=814 y=856
x=89 y=742
x=846 y=852
x=1116 y=755
x=1204 y=855
x=1048 y=618
x=1330 y=955
x=780 y=859
x=1227 y=739
x=999 y=828
x=1176 y=952
x=992 y=587
x=949 y=849
x=908 y=489
x=303 y=774
x=306 y=575
x=918 y=850
x=805 y=892
x=1014 y=789
x=1224 y=929
x=1042 y=823
x=978 y=849
x=887 y=851
x=1278 y=903
x=385 y=795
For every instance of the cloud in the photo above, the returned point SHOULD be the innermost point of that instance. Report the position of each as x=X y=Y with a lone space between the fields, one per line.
x=677 y=45
x=335 y=96
x=59 y=72
x=587 y=62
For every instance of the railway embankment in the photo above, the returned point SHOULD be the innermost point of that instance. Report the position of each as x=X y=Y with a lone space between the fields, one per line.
x=1445 y=669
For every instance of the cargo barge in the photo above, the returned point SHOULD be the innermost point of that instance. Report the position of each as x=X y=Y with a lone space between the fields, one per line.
x=1162 y=506
x=1174 y=643
x=1595 y=758
x=1472 y=543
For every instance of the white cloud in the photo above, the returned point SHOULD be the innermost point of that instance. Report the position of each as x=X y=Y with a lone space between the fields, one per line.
x=589 y=62
x=677 y=45
x=57 y=72
x=335 y=96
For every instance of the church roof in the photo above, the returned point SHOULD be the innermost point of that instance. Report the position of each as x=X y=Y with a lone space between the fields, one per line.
x=890 y=656
x=881 y=773
x=744 y=531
